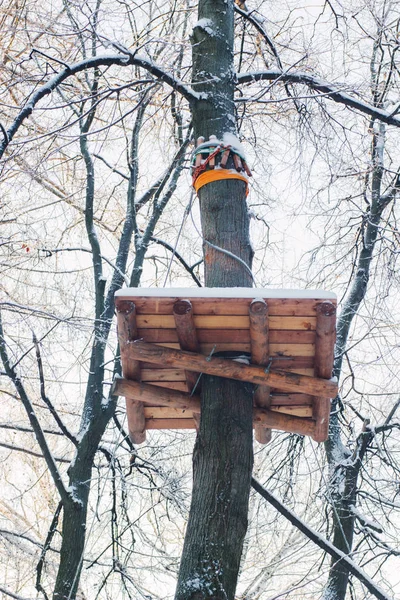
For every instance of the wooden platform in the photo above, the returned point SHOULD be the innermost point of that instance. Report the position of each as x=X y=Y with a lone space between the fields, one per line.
x=289 y=334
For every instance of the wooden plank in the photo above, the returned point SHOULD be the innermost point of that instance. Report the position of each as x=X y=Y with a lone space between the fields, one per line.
x=279 y=336
x=291 y=399
x=276 y=399
x=181 y=386
x=225 y=322
x=286 y=363
x=277 y=350
x=144 y=392
x=187 y=336
x=170 y=424
x=286 y=381
x=163 y=412
x=163 y=374
x=224 y=306
x=298 y=411
x=170 y=412
x=324 y=356
x=259 y=344
x=180 y=375
x=127 y=332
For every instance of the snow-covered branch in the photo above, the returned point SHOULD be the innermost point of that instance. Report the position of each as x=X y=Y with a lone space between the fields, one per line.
x=320 y=541
x=328 y=89
x=93 y=63
x=51 y=463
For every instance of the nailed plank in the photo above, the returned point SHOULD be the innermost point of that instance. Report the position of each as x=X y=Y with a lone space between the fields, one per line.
x=172 y=385
x=179 y=401
x=291 y=399
x=297 y=411
x=259 y=344
x=279 y=336
x=187 y=335
x=127 y=332
x=163 y=374
x=225 y=322
x=285 y=363
x=170 y=412
x=166 y=374
x=324 y=356
x=225 y=306
x=162 y=412
x=170 y=424
x=277 y=350
x=286 y=381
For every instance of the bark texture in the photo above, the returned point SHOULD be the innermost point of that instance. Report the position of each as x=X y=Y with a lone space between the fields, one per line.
x=223 y=455
x=222 y=464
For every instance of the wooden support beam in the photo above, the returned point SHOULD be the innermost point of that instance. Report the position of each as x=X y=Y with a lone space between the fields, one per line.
x=127 y=332
x=187 y=336
x=222 y=367
x=259 y=343
x=153 y=395
x=323 y=364
x=276 y=420
x=300 y=307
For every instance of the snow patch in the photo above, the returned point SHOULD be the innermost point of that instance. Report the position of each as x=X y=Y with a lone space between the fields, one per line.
x=207 y=25
x=231 y=292
x=229 y=139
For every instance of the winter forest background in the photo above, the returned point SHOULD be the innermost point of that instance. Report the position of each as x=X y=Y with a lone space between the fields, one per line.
x=96 y=195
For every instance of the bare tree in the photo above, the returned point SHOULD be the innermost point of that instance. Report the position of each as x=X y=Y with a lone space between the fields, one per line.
x=115 y=79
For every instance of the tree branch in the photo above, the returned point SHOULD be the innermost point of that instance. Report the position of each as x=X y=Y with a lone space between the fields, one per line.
x=93 y=63
x=330 y=90
x=324 y=544
x=65 y=496
x=178 y=257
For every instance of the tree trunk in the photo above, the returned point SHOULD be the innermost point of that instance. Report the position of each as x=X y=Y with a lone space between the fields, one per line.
x=223 y=454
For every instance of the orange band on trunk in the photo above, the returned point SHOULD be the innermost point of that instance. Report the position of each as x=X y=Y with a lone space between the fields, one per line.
x=218 y=175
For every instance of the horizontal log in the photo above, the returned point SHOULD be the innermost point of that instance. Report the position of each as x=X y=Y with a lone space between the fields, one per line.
x=276 y=420
x=286 y=381
x=225 y=306
x=147 y=394
x=225 y=322
x=278 y=336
